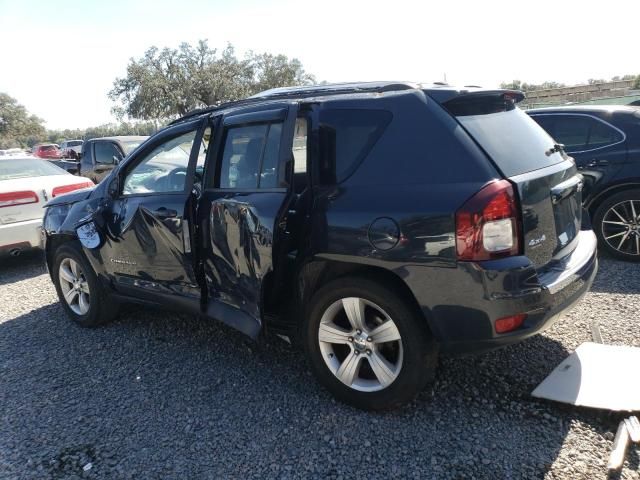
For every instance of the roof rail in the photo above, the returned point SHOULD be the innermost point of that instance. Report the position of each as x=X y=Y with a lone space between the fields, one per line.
x=304 y=91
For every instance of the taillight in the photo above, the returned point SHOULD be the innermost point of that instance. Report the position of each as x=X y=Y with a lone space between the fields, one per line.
x=70 y=188
x=487 y=225
x=17 y=198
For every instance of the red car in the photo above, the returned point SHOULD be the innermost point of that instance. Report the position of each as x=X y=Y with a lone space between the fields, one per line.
x=47 y=150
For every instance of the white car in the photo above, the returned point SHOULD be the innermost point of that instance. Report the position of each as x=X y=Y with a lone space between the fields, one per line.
x=26 y=184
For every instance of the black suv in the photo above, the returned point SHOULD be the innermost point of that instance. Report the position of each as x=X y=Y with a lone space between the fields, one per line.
x=100 y=155
x=605 y=143
x=375 y=223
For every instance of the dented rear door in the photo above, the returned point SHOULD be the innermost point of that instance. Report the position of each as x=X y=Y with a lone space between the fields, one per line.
x=243 y=211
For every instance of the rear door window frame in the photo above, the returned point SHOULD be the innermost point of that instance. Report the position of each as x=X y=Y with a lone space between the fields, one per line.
x=229 y=120
x=593 y=117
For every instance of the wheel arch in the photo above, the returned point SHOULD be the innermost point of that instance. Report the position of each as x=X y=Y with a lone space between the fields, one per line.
x=317 y=273
x=52 y=244
x=601 y=197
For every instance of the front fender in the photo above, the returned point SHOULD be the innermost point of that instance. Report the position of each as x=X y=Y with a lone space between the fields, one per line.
x=65 y=214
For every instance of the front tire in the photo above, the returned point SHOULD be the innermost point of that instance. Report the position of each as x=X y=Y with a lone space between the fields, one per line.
x=617 y=225
x=81 y=295
x=367 y=345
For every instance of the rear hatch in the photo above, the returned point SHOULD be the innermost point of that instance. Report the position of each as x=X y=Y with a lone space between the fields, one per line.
x=548 y=183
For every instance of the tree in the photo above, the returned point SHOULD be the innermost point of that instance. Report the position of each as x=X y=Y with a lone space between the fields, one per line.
x=167 y=83
x=530 y=87
x=107 y=130
x=18 y=128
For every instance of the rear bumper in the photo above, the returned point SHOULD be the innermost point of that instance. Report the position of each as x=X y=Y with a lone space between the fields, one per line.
x=21 y=235
x=487 y=291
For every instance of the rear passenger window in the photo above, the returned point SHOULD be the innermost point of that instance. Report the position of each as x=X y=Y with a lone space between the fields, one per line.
x=579 y=133
x=250 y=157
x=346 y=137
x=572 y=132
x=602 y=135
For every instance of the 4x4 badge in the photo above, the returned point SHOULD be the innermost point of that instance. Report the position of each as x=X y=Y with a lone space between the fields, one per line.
x=537 y=241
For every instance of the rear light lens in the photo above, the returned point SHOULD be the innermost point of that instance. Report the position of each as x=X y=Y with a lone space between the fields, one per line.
x=487 y=225
x=70 y=188
x=17 y=198
x=508 y=324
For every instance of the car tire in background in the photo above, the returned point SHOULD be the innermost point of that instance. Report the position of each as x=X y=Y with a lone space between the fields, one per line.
x=617 y=225
x=81 y=295
x=367 y=345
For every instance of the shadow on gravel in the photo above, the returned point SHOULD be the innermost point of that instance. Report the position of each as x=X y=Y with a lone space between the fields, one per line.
x=22 y=267
x=616 y=276
x=158 y=395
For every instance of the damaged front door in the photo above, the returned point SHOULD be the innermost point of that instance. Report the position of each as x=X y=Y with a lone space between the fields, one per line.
x=243 y=212
x=148 y=252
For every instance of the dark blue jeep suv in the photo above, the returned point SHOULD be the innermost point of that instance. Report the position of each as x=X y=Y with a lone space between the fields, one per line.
x=605 y=143
x=375 y=223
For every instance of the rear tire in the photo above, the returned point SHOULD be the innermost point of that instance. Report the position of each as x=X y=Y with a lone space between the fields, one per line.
x=616 y=226
x=82 y=297
x=367 y=345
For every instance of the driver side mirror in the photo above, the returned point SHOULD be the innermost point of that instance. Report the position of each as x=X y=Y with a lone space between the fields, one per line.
x=116 y=159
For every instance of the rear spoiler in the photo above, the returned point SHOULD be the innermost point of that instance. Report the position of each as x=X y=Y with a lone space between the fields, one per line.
x=445 y=95
x=477 y=101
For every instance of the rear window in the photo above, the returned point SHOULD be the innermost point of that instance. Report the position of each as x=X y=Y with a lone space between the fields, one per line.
x=129 y=146
x=515 y=142
x=28 y=167
x=346 y=137
x=74 y=143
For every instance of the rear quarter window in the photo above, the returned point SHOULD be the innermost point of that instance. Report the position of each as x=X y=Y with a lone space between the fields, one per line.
x=346 y=137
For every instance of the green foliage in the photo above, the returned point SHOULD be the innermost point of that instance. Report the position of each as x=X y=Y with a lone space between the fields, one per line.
x=167 y=83
x=18 y=128
x=107 y=130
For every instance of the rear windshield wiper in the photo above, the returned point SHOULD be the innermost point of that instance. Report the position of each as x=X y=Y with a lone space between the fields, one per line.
x=557 y=147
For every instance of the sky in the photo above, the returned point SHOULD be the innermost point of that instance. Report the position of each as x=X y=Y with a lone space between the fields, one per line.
x=59 y=58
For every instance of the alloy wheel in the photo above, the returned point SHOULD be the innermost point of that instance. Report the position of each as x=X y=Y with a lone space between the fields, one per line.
x=360 y=344
x=74 y=286
x=621 y=227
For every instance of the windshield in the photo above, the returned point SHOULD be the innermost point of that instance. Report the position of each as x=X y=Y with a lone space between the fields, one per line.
x=515 y=142
x=130 y=145
x=28 y=167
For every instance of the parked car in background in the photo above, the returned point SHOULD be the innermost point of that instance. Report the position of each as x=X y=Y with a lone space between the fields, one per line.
x=13 y=152
x=71 y=166
x=100 y=155
x=71 y=149
x=375 y=223
x=605 y=143
x=47 y=150
x=26 y=184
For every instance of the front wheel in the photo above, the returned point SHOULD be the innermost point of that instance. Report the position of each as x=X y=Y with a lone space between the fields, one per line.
x=617 y=225
x=366 y=345
x=81 y=295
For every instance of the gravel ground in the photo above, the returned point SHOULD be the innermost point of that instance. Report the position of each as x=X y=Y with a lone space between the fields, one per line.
x=160 y=395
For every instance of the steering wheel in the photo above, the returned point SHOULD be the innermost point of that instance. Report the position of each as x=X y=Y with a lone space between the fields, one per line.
x=175 y=183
